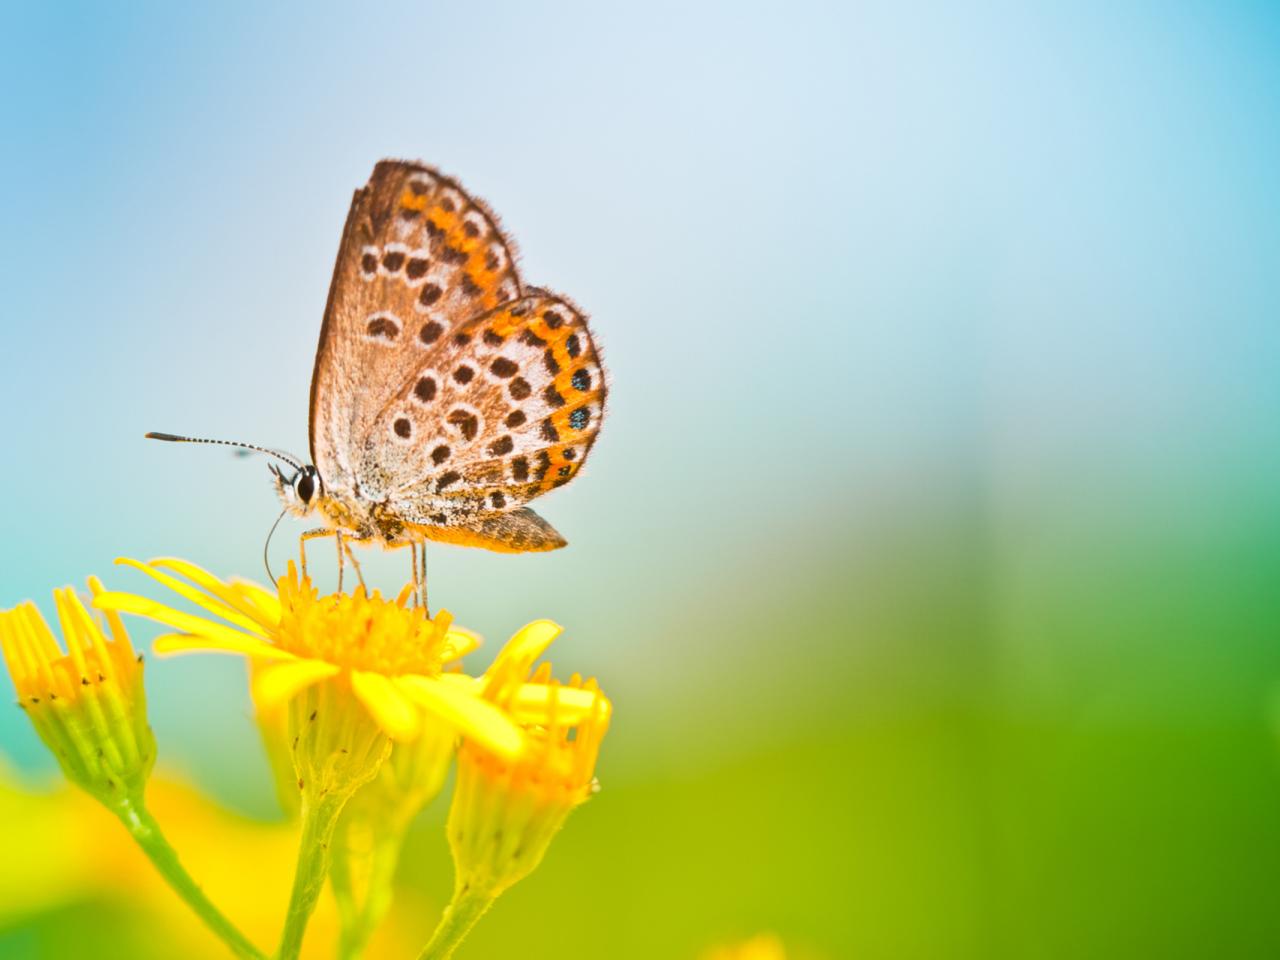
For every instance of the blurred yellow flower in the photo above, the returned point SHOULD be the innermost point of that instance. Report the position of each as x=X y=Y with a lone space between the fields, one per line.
x=762 y=947
x=387 y=655
x=88 y=704
x=72 y=852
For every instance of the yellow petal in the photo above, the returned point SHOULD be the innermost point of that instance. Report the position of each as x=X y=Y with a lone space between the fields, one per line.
x=393 y=710
x=16 y=648
x=32 y=646
x=91 y=635
x=459 y=643
x=183 y=589
x=171 y=643
x=203 y=578
x=463 y=682
x=532 y=703
x=118 y=632
x=529 y=643
x=478 y=720
x=43 y=640
x=219 y=636
x=265 y=602
x=68 y=623
x=274 y=683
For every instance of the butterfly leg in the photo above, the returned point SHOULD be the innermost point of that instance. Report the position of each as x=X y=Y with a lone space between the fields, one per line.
x=351 y=555
x=419 y=575
x=313 y=534
x=421 y=578
x=413 y=570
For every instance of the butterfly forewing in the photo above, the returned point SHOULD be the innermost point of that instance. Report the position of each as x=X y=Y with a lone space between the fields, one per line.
x=418 y=258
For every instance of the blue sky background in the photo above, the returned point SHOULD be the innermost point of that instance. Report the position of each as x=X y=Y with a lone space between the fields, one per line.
x=943 y=341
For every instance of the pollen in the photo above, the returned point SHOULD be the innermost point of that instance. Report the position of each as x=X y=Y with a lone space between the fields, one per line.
x=360 y=631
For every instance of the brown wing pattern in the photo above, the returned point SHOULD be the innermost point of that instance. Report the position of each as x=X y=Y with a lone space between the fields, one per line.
x=505 y=411
x=418 y=258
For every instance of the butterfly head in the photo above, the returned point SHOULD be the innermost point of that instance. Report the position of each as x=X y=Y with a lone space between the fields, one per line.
x=301 y=492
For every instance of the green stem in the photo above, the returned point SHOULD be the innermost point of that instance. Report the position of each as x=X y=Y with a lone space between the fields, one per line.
x=467 y=907
x=146 y=832
x=350 y=936
x=318 y=821
x=361 y=911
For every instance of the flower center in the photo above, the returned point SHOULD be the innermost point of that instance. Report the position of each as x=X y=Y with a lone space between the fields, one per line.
x=359 y=631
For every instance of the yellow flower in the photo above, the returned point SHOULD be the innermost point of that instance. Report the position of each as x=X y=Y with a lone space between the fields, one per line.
x=387 y=656
x=352 y=671
x=506 y=811
x=88 y=704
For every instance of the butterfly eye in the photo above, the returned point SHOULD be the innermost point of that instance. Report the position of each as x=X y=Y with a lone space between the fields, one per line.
x=305 y=486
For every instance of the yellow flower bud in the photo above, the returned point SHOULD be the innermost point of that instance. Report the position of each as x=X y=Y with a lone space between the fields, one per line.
x=505 y=810
x=87 y=704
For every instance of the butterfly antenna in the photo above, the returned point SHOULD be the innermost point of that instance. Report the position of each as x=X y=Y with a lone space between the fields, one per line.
x=174 y=438
x=266 y=547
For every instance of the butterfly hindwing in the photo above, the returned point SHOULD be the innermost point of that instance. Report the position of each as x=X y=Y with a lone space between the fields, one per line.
x=515 y=531
x=505 y=412
x=418 y=258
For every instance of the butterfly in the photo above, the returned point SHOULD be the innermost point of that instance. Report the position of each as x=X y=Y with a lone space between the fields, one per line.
x=446 y=395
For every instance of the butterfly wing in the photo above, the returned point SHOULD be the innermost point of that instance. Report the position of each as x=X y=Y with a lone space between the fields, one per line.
x=418 y=258
x=515 y=531
x=440 y=389
x=502 y=412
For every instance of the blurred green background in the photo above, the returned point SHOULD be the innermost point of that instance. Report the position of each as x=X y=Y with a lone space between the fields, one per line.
x=928 y=551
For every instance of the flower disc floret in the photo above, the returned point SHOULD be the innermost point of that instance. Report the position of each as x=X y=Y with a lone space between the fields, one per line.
x=360 y=631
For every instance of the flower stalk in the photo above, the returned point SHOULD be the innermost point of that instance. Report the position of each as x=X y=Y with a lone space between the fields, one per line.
x=318 y=822
x=372 y=830
x=144 y=829
x=337 y=748
x=362 y=875
x=460 y=916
